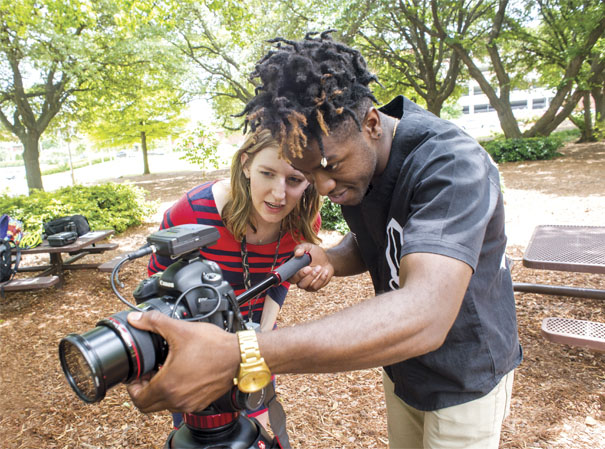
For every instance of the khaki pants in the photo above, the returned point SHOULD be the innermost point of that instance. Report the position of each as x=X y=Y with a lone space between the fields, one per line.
x=473 y=425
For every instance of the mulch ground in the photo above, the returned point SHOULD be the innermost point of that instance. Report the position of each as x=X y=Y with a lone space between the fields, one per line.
x=558 y=398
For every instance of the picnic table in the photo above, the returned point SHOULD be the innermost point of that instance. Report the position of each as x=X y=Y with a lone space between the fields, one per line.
x=575 y=249
x=53 y=271
x=565 y=248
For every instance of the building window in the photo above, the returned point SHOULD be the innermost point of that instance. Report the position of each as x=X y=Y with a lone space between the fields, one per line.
x=477 y=90
x=538 y=103
x=520 y=104
x=483 y=108
x=465 y=110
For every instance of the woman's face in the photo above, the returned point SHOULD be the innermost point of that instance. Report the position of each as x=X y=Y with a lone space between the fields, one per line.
x=275 y=186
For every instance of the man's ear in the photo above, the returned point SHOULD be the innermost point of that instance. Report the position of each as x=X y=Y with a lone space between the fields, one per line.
x=372 y=124
x=243 y=159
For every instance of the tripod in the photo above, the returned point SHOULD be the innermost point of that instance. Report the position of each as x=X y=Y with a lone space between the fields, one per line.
x=227 y=430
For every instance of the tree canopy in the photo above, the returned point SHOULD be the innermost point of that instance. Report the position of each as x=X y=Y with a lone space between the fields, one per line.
x=56 y=52
x=124 y=69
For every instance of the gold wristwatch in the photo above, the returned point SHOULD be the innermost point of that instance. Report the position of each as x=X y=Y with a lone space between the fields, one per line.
x=253 y=374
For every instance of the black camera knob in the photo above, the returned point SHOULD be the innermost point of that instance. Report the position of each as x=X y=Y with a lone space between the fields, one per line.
x=213 y=279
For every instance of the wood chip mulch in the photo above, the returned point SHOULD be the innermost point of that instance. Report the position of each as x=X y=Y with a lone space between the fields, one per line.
x=558 y=398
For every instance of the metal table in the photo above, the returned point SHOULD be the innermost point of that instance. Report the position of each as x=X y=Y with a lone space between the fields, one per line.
x=565 y=248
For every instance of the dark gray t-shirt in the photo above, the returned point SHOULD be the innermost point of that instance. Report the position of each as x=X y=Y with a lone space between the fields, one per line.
x=440 y=193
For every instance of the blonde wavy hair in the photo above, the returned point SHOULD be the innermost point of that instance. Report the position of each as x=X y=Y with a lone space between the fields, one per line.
x=237 y=211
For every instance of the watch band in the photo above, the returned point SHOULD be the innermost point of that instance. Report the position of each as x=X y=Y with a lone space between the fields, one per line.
x=248 y=346
x=253 y=373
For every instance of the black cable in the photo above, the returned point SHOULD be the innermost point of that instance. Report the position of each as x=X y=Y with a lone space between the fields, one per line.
x=114 y=277
x=141 y=252
x=197 y=318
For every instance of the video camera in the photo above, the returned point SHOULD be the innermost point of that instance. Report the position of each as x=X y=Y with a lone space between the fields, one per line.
x=192 y=289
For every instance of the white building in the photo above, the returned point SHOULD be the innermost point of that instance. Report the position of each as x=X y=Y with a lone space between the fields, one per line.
x=480 y=119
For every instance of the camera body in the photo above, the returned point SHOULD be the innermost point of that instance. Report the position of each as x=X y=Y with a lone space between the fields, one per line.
x=190 y=289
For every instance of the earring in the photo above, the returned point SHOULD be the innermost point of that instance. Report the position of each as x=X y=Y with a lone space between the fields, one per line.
x=324 y=161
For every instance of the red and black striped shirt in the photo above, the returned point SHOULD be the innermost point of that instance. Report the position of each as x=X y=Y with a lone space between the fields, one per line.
x=198 y=206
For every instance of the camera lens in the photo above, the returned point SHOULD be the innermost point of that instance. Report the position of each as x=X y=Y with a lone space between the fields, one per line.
x=80 y=373
x=113 y=352
x=94 y=362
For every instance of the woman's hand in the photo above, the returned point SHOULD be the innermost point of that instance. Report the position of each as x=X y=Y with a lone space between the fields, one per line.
x=316 y=275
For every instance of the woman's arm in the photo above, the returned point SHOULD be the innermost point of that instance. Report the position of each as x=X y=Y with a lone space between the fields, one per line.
x=270 y=312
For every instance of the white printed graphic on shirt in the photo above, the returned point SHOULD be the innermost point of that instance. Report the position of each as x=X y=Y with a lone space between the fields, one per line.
x=393 y=251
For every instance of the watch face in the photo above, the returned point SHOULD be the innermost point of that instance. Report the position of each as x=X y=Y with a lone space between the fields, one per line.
x=255 y=400
x=251 y=382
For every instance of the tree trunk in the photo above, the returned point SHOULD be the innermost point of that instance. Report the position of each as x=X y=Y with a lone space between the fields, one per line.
x=71 y=165
x=434 y=105
x=31 y=159
x=501 y=104
x=598 y=93
x=545 y=128
x=587 y=131
x=144 y=149
x=508 y=122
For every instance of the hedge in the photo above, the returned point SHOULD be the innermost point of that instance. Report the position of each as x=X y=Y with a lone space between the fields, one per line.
x=106 y=206
x=524 y=149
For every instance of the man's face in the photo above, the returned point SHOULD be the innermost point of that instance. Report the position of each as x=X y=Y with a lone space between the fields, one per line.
x=351 y=165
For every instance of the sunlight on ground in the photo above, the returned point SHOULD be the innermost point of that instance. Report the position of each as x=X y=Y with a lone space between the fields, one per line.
x=539 y=209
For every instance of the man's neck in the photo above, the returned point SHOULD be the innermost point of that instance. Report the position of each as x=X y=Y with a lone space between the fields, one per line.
x=389 y=126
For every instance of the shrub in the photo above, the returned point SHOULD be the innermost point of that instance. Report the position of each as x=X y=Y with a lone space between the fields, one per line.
x=200 y=147
x=106 y=206
x=529 y=149
x=331 y=217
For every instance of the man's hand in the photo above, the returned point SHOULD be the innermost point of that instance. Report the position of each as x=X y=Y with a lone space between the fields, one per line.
x=201 y=364
x=318 y=274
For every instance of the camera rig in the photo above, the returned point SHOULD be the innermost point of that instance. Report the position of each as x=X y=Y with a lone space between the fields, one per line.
x=192 y=289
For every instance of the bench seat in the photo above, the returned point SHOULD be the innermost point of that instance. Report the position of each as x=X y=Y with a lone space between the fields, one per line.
x=33 y=283
x=107 y=267
x=568 y=331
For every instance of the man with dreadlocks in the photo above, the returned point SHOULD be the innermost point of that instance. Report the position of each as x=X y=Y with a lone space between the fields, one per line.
x=425 y=208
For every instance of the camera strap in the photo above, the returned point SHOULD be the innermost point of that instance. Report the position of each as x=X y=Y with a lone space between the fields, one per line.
x=277 y=416
x=246 y=269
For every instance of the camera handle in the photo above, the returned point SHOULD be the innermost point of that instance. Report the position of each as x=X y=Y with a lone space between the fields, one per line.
x=282 y=273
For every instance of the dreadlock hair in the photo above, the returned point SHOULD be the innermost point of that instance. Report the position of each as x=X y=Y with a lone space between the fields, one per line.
x=301 y=222
x=307 y=89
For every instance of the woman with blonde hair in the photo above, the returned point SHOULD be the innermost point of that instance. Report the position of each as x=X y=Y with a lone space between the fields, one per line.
x=261 y=213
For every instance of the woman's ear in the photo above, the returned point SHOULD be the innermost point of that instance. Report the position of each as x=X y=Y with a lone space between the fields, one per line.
x=244 y=159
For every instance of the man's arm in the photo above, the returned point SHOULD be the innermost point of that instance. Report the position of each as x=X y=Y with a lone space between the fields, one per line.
x=346 y=257
x=382 y=330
